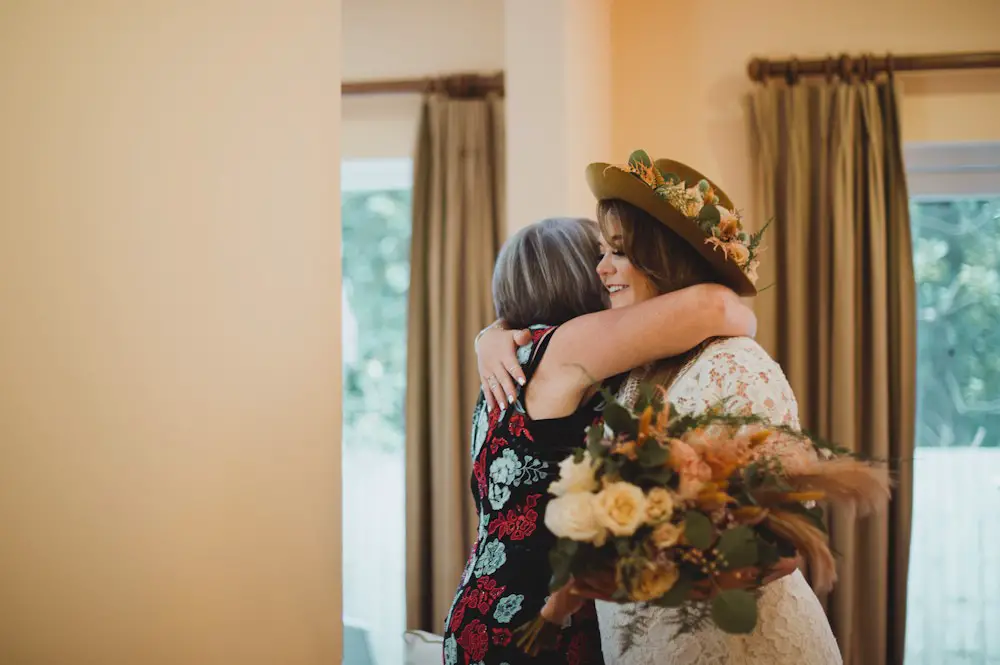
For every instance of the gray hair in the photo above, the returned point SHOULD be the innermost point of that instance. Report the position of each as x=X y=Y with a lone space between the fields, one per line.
x=546 y=273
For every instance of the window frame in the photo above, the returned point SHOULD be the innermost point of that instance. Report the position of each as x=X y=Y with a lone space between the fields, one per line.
x=949 y=170
x=373 y=174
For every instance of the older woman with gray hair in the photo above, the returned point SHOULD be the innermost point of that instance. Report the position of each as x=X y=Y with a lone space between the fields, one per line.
x=545 y=282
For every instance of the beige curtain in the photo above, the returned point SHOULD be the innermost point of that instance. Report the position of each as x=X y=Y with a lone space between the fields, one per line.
x=458 y=215
x=830 y=173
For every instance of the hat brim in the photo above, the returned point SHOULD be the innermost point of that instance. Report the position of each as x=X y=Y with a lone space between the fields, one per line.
x=607 y=181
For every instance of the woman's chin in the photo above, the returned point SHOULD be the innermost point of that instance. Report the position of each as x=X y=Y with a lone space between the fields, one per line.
x=621 y=298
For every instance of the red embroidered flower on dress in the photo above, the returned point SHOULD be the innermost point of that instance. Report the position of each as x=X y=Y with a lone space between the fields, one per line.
x=517 y=427
x=518 y=523
x=496 y=443
x=492 y=419
x=479 y=471
x=475 y=640
x=482 y=597
x=457 y=615
x=501 y=636
x=536 y=335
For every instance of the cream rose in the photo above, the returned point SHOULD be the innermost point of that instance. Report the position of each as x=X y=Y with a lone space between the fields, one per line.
x=739 y=252
x=575 y=477
x=572 y=516
x=666 y=535
x=620 y=508
x=659 y=505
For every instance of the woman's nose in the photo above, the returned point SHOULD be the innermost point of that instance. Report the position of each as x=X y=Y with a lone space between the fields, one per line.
x=605 y=266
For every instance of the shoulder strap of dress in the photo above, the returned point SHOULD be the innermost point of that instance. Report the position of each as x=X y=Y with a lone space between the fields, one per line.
x=539 y=342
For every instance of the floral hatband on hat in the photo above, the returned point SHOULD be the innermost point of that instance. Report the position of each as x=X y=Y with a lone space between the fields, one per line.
x=700 y=212
x=700 y=204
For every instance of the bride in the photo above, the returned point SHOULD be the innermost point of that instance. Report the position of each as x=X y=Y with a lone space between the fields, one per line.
x=666 y=227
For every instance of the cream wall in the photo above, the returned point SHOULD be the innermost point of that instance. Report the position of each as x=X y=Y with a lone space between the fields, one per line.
x=169 y=333
x=680 y=70
x=404 y=39
x=559 y=107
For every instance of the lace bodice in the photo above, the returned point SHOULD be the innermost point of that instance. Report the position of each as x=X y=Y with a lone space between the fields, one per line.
x=792 y=628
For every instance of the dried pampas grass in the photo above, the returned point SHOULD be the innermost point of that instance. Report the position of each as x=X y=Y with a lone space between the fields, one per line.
x=845 y=481
x=812 y=543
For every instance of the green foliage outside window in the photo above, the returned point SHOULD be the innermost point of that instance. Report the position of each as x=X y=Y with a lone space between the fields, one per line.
x=957 y=266
x=376 y=268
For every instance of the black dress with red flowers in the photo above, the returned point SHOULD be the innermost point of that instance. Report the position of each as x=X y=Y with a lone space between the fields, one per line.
x=506 y=580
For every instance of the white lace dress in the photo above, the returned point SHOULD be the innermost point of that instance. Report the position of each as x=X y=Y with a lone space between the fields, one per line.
x=792 y=628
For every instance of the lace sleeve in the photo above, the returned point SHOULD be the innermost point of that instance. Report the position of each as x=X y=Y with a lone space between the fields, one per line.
x=741 y=372
x=738 y=370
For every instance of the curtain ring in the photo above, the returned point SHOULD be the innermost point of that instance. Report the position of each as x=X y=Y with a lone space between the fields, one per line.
x=792 y=73
x=829 y=68
x=890 y=65
x=846 y=65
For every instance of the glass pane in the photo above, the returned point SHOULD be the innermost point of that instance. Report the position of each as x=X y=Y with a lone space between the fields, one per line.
x=954 y=586
x=376 y=246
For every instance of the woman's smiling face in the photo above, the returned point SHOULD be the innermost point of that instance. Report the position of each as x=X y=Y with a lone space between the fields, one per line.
x=625 y=283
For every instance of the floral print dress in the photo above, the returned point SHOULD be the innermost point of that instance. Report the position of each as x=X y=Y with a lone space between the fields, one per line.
x=506 y=579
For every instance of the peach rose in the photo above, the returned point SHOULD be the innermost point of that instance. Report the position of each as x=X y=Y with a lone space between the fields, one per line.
x=659 y=505
x=667 y=535
x=694 y=472
x=729 y=224
x=653 y=580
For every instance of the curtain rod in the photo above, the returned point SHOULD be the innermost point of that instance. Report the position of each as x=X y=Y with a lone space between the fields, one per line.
x=867 y=65
x=456 y=85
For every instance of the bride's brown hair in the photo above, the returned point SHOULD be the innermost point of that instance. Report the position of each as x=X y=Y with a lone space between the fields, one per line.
x=668 y=260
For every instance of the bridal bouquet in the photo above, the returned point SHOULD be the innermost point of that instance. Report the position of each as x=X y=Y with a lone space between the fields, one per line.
x=694 y=512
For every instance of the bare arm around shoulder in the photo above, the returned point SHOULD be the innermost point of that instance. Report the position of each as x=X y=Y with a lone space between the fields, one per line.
x=603 y=344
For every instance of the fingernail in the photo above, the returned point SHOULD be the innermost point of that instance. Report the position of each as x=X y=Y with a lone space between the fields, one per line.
x=521 y=380
x=510 y=398
x=488 y=408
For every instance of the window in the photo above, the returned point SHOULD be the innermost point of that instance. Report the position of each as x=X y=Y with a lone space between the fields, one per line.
x=954 y=587
x=376 y=246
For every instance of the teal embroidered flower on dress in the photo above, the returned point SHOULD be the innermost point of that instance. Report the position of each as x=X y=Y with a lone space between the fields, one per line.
x=499 y=494
x=494 y=556
x=450 y=651
x=506 y=469
x=508 y=607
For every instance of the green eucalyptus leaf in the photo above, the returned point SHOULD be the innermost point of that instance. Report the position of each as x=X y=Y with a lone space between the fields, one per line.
x=657 y=477
x=739 y=546
x=677 y=594
x=698 y=530
x=595 y=441
x=735 y=611
x=612 y=467
x=620 y=420
x=652 y=455
x=709 y=215
x=640 y=157
x=767 y=554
